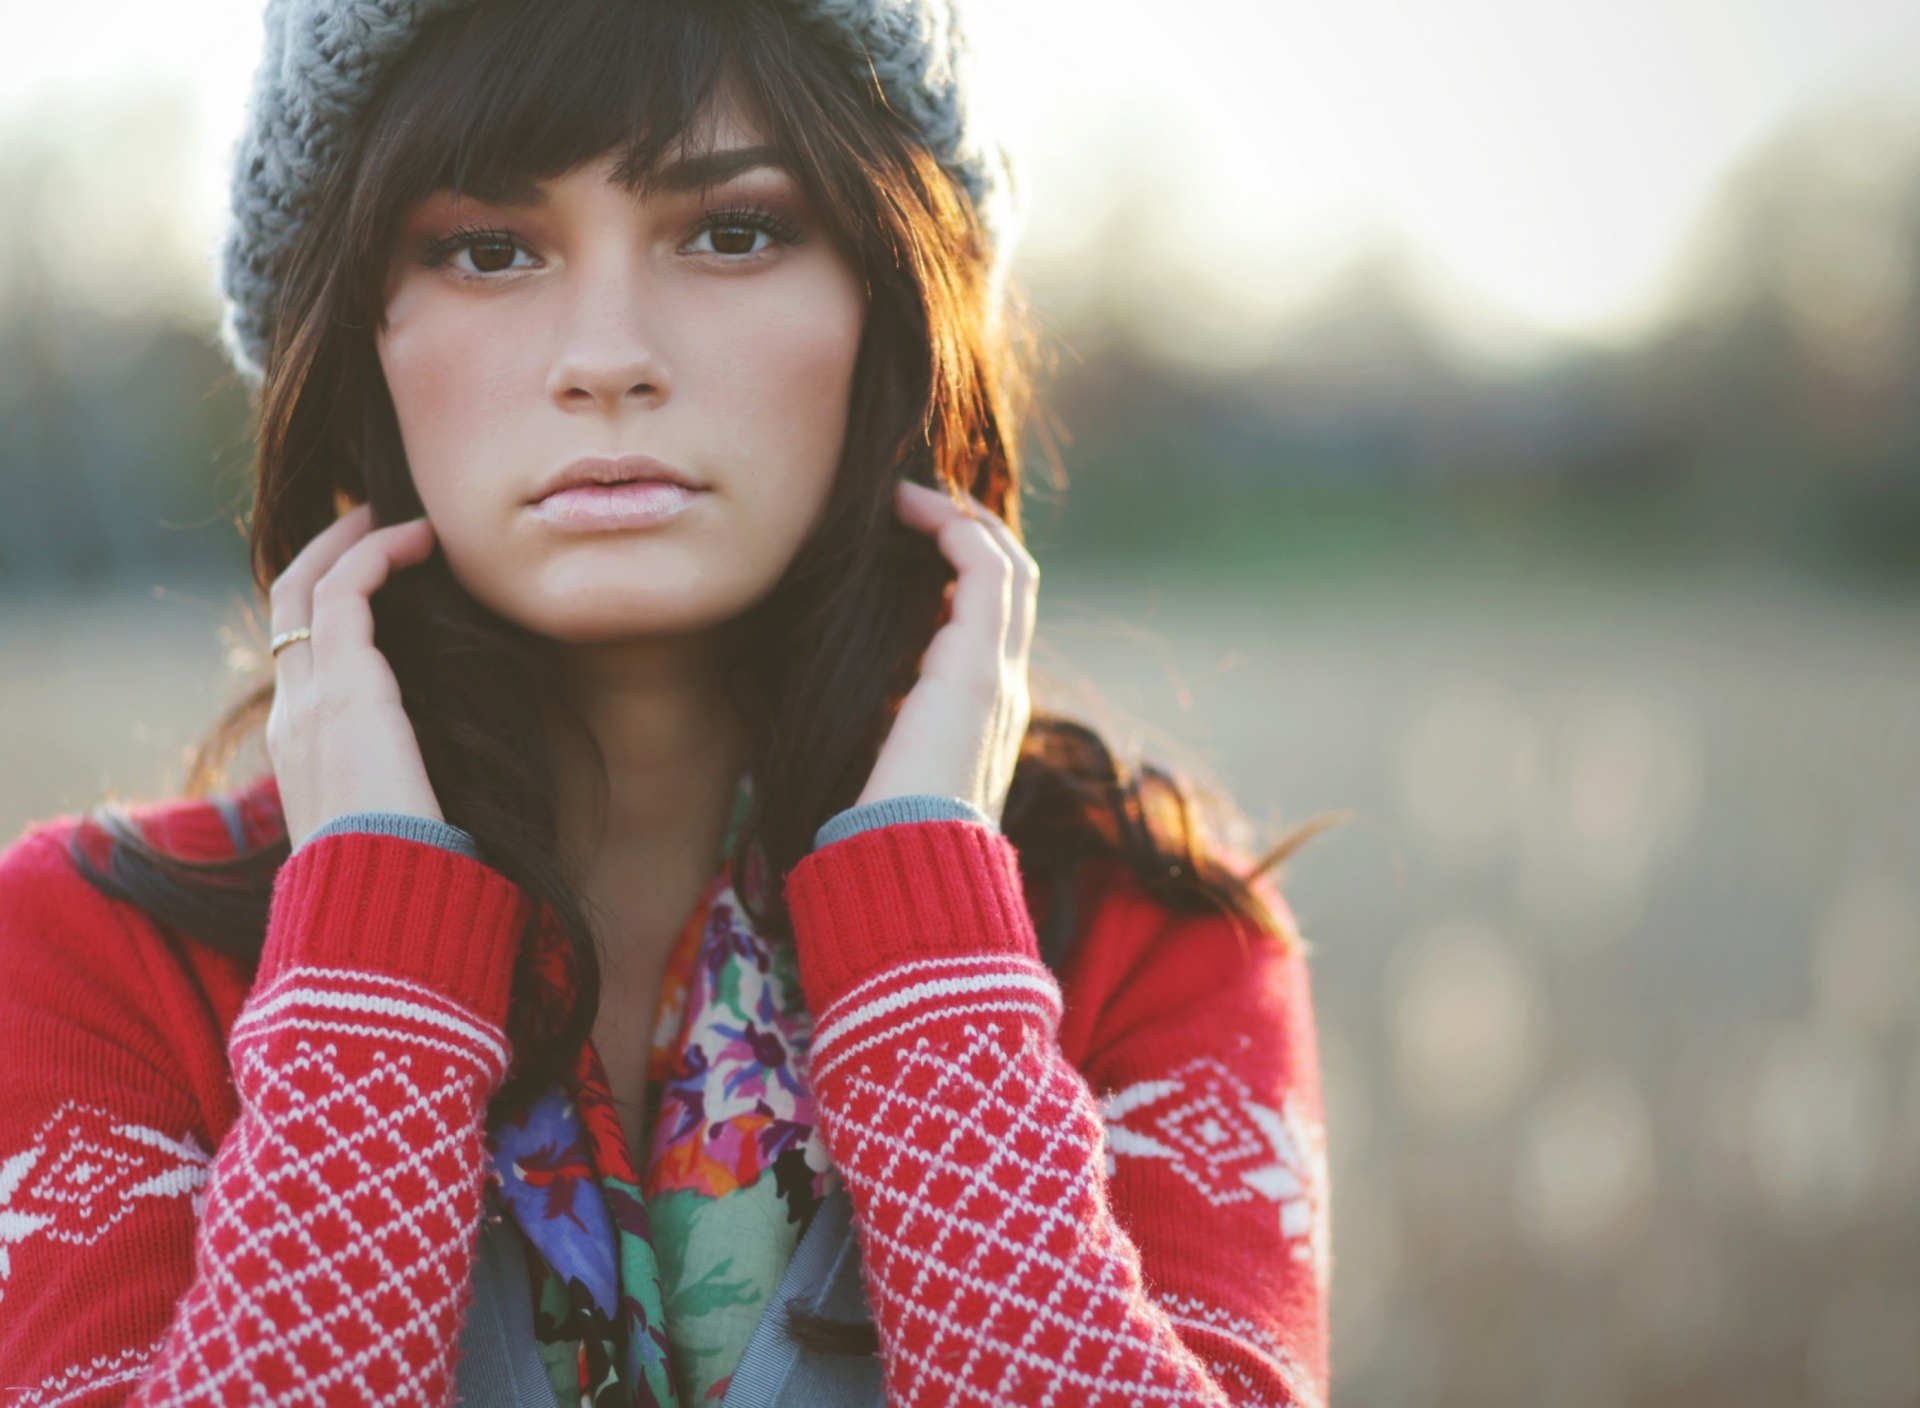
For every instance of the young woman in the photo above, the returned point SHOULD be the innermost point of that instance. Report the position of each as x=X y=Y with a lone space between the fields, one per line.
x=666 y=964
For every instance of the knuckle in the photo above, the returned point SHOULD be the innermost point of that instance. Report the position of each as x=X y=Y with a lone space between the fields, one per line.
x=982 y=681
x=335 y=586
x=986 y=559
x=286 y=724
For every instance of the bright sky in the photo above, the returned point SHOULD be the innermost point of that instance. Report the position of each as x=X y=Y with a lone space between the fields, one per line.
x=1544 y=159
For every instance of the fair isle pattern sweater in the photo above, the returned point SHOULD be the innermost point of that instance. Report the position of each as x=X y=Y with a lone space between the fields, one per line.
x=218 y=1188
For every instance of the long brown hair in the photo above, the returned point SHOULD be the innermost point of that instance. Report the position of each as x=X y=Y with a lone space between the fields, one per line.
x=505 y=92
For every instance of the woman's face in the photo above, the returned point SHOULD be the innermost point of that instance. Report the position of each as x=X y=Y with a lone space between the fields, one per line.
x=623 y=411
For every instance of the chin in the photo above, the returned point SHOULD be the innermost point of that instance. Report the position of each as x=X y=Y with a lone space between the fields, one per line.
x=619 y=622
x=598 y=602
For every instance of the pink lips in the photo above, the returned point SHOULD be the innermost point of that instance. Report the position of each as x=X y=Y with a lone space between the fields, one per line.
x=605 y=495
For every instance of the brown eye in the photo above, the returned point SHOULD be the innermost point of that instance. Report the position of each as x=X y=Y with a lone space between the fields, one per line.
x=734 y=239
x=491 y=256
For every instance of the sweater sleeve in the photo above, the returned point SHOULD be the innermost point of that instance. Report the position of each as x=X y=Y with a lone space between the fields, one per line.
x=322 y=1252
x=428 y=831
x=1025 y=1243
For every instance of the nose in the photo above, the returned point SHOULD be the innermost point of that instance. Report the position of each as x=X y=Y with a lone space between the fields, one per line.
x=610 y=354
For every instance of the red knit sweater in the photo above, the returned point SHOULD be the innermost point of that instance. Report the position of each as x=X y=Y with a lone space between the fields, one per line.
x=217 y=1189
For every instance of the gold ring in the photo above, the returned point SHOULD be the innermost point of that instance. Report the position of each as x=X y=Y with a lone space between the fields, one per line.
x=287 y=638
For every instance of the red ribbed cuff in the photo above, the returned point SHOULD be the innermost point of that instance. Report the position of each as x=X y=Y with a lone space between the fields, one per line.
x=931 y=889
x=402 y=909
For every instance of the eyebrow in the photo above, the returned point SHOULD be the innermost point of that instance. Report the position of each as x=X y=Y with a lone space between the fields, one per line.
x=708 y=169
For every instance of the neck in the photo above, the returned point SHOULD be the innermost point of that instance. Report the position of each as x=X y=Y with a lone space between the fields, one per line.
x=641 y=824
x=642 y=815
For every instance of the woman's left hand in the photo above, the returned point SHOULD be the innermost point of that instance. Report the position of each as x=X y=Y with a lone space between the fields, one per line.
x=958 y=732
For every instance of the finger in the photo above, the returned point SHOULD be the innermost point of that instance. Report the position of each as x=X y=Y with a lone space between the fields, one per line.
x=1026 y=581
x=290 y=598
x=924 y=509
x=931 y=511
x=291 y=595
x=983 y=590
x=342 y=599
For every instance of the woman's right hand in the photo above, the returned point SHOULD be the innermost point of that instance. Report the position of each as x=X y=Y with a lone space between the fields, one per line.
x=339 y=740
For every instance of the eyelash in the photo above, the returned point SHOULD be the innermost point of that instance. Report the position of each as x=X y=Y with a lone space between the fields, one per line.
x=752 y=217
x=451 y=243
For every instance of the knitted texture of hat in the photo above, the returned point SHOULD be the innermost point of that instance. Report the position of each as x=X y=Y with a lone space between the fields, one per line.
x=323 y=60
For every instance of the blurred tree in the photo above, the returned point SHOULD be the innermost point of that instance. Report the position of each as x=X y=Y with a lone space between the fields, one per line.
x=1771 y=414
x=117 y=412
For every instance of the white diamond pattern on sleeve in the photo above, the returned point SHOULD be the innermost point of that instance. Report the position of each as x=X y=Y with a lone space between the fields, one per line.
x=335 y=1250
x=997 y=1272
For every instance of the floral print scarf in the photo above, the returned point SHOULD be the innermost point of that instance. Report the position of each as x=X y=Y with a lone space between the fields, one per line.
x=648 y=1284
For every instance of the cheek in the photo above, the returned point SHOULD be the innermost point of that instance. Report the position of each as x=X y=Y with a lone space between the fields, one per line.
x=451 y=381
x=758 y=376
x=787 y=378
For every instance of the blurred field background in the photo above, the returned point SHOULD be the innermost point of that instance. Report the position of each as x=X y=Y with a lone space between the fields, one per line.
x=1499 y=422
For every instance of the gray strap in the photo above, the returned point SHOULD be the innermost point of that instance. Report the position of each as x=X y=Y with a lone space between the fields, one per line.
x=500 y=1364
x=427 y=830
x=894 y=811
x=824 y=1277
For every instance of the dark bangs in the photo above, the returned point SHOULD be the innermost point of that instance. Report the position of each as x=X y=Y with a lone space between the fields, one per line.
x=491 y=99
x=500 y=95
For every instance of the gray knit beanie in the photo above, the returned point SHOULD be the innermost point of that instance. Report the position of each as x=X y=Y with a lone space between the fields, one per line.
x=324 y=59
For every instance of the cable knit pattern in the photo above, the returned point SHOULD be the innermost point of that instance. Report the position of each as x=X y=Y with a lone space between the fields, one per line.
x=324 y=59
